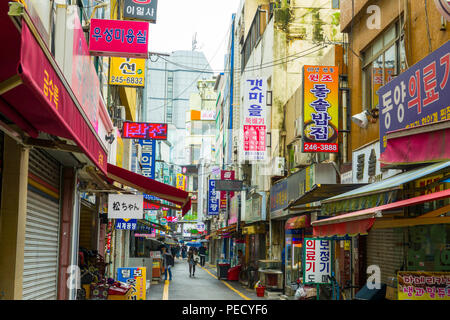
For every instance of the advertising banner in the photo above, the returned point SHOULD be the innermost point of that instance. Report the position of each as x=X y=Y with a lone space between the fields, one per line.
x=140 y=10
x=316 y=261
x=255 y=118
x=127 y=72
x=417 y=285
x=118 y=38
x=137 y=279
x=144 y=130
x=418 y=96
x=125 y=206
x=213 y=198
x=320 y=109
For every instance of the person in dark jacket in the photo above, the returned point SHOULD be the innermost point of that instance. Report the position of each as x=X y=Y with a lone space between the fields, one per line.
x=202 y=254
x=168 y=263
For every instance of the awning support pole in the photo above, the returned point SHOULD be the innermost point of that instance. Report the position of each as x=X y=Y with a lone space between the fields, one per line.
x=10 y=84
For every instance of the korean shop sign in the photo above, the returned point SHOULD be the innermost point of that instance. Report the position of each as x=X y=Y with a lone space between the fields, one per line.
x=126 y=224
x=118 y=38
x=316 y=261
x=419 y=96
x=278 y=196
x=137 y=279
x=226 y=175
x=181 y=181
x=144 y=130
x=320 y=109
x=148 y=158
x=254 y=127
x=140 y=10
x=417 y=285
x=125 y=206
x=213 y=198
x=127 y=72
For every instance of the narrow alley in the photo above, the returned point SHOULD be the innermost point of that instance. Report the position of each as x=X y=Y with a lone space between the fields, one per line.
x=203 y=286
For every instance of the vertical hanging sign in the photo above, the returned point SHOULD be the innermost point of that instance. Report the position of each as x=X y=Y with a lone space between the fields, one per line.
x=320 y=109
x=148 y=158
x=316 y=261
x=213 y=198
x=254 y=122
x=225 y=175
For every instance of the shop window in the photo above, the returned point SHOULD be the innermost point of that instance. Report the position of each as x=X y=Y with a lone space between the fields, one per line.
x=428 y=248
x=383 y=60
x=335 y=4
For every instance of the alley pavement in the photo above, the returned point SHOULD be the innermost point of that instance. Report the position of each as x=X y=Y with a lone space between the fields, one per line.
x=203 y=286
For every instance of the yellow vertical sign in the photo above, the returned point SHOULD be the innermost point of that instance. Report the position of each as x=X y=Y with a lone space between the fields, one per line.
x=127 y=72
x=181 y=181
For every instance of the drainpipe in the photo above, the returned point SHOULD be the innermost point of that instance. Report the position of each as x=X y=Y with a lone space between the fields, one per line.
x=344 y=125
x=75 y=231
x=230 y=122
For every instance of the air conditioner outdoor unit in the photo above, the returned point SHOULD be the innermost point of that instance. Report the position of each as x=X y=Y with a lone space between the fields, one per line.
x=279 y=166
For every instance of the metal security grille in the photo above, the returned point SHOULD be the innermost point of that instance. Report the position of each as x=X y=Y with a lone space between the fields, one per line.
x=385 y=249
x=42 y=228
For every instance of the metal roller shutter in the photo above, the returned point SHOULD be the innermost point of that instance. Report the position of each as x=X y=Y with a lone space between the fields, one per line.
x=42 y=228
x=385 y=249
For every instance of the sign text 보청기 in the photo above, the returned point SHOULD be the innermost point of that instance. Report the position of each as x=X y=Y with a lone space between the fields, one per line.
x=316 y=261
x=320 y=109
x=125 y=206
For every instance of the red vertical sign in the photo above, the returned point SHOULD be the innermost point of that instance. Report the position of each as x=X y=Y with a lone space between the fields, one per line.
x=225 y=175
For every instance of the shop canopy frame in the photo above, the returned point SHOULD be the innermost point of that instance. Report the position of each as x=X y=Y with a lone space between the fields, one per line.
x=150 y=186
x=384 y=191
x=361 y=222
x=321 y=191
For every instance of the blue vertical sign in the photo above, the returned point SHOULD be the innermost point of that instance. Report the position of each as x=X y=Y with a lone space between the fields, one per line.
x=148 y=158
x=213 y=198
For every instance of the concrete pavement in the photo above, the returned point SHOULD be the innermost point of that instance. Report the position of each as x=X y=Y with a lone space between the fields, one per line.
x=204 y=286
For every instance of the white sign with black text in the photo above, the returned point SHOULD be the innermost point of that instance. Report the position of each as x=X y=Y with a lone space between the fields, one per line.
x=125 y=206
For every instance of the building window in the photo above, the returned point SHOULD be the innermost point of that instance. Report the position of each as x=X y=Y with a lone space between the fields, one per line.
x=383 y=60
x=335 y=4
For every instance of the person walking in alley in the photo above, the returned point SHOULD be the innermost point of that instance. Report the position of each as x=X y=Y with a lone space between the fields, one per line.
x=202 y=254
x=183 y=251
x=168 y=263
x=192 y=261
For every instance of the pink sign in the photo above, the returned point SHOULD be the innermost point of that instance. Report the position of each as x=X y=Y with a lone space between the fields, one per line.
x=85 y=83
x=119 y=38
x=225 y=175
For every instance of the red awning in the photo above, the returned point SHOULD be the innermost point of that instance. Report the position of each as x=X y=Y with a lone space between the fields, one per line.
x=418 y=148
x=40 y=99
x=151 y=187
x=360 y=222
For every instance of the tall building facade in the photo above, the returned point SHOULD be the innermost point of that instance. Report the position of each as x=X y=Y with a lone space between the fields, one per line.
x=169 y=83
